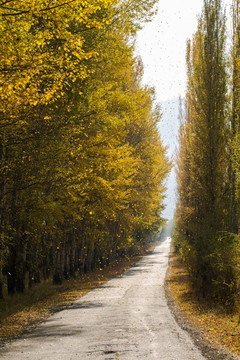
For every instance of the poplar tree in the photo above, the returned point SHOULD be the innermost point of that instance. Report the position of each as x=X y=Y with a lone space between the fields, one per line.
x=205 y=155
x=235 y=103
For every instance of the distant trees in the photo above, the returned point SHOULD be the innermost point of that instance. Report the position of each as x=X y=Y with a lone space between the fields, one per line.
x=82 y=164
x=206 y=213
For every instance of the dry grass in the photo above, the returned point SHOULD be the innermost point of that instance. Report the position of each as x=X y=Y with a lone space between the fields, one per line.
x=218 y=326
x=23 y=312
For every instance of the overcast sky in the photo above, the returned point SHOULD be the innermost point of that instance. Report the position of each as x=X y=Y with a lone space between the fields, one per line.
x=162 y=47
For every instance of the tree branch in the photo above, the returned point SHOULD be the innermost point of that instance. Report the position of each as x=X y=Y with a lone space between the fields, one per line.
x=27 y=11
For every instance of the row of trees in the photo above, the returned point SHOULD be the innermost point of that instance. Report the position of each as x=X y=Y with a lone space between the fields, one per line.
x=207 y=215
x=82 y=164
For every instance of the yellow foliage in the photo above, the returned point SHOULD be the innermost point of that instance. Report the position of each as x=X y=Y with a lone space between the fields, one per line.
x=41 y=48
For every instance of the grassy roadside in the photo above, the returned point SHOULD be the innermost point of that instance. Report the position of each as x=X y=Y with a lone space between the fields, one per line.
x=216 y=326
x=23 y=312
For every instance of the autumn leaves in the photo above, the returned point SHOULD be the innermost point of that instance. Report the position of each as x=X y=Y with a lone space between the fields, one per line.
x=82 y=164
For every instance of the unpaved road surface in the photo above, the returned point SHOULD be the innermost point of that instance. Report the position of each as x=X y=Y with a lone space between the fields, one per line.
x=125 y=319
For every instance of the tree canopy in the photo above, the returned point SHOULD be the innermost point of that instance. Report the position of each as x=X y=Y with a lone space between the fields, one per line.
x=82 y=162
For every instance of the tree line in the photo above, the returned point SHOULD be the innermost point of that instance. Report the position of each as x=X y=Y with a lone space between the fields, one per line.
x=82 y=164
x=208 y=166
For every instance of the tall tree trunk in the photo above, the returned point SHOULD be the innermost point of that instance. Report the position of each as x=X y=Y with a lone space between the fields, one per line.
x=57 y=269
x=11 y=272
x=1 y=282
x=72 y=264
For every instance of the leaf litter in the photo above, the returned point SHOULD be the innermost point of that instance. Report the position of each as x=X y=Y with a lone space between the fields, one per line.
x=15 y=323
x=213 y=324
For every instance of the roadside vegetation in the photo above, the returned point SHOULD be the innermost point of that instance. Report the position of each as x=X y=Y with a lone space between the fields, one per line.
x=82 y=165
x=215 y=329
x=23 y=312
x=208 y=163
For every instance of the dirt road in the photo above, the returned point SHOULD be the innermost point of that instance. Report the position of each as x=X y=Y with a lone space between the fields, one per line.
x=125 y=319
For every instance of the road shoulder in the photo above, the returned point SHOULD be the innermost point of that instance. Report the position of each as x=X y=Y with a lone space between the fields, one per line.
x=22 y=322
x=189 y=314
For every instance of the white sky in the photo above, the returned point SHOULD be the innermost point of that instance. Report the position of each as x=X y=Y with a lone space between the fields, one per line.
x=162 y=47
